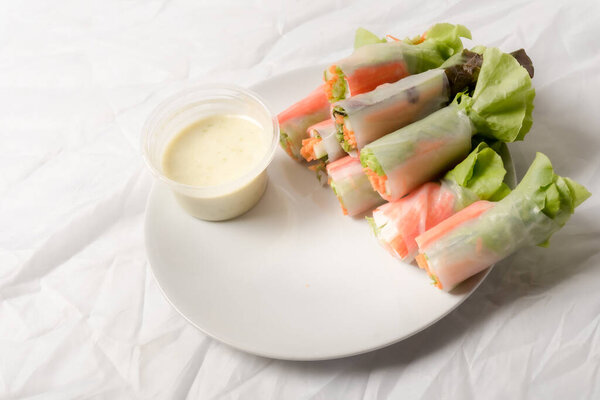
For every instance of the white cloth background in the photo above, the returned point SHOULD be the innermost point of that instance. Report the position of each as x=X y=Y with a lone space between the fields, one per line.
x=81 y=315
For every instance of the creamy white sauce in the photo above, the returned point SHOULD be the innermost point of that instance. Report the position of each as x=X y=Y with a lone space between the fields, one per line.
x=214 y=150
x=217 y=150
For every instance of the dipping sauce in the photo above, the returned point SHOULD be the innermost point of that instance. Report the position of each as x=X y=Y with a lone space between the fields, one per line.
x=215 y=150
x=211 y=146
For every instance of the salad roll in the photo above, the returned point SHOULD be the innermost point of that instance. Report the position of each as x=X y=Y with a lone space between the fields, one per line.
x=295 y=120
x=352 y=187
x=486 y=232
x=500 y=109
x=374 y=64
x=479 y=177
x=322 y=143
x=366 y=117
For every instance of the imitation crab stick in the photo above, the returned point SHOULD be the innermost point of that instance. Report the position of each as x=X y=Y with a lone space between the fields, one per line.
x=479 y=177
x=470 y=212
x=486 y=232
x=374 y=64
x=500 y=107
x=352 y=187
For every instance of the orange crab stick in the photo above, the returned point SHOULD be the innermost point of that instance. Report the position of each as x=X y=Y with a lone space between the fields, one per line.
x=471 y=212
x=365 y=79
x=456 y=267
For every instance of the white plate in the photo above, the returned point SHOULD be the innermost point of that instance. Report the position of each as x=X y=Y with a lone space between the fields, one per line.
x=293 y=278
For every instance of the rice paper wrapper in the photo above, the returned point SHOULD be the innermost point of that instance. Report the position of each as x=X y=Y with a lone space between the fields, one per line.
x=394 y=105
x=419 y=152
x=467 y=243
x=506 y=227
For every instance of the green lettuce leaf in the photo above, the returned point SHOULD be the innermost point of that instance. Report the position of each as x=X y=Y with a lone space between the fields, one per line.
x=369 y=160
x=503 y=191
x=556 y=196
x=363 y=37
x=502 y=103
x=502 y=149
x=339 y=90
x=441 y=42
x=446 y=37
x=482 y=172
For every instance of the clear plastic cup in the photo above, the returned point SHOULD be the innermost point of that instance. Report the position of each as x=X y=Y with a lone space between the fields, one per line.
x=223 y=201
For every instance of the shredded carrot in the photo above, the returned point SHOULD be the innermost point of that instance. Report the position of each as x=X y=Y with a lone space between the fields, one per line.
x=308 y=148
x=423 y=264
x=393 y=38
x=421 y=39
x=349 y=138
x=339 y=119
x=378 y=182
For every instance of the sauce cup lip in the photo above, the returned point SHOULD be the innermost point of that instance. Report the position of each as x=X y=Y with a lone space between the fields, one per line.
x=160 y=111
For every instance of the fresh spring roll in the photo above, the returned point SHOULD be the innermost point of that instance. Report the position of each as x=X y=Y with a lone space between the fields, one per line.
x=366 y=117
x=479 y=177
x=500 y=108
x=295 y=120
x=351 y=186
x=322 y=143
x=374 y=64
x=487 y=232
x=443 y=40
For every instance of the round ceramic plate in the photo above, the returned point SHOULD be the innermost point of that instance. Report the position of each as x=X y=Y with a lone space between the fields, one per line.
x=293 y=278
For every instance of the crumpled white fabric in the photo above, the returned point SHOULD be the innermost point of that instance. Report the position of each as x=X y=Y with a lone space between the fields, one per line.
x=81 y=315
